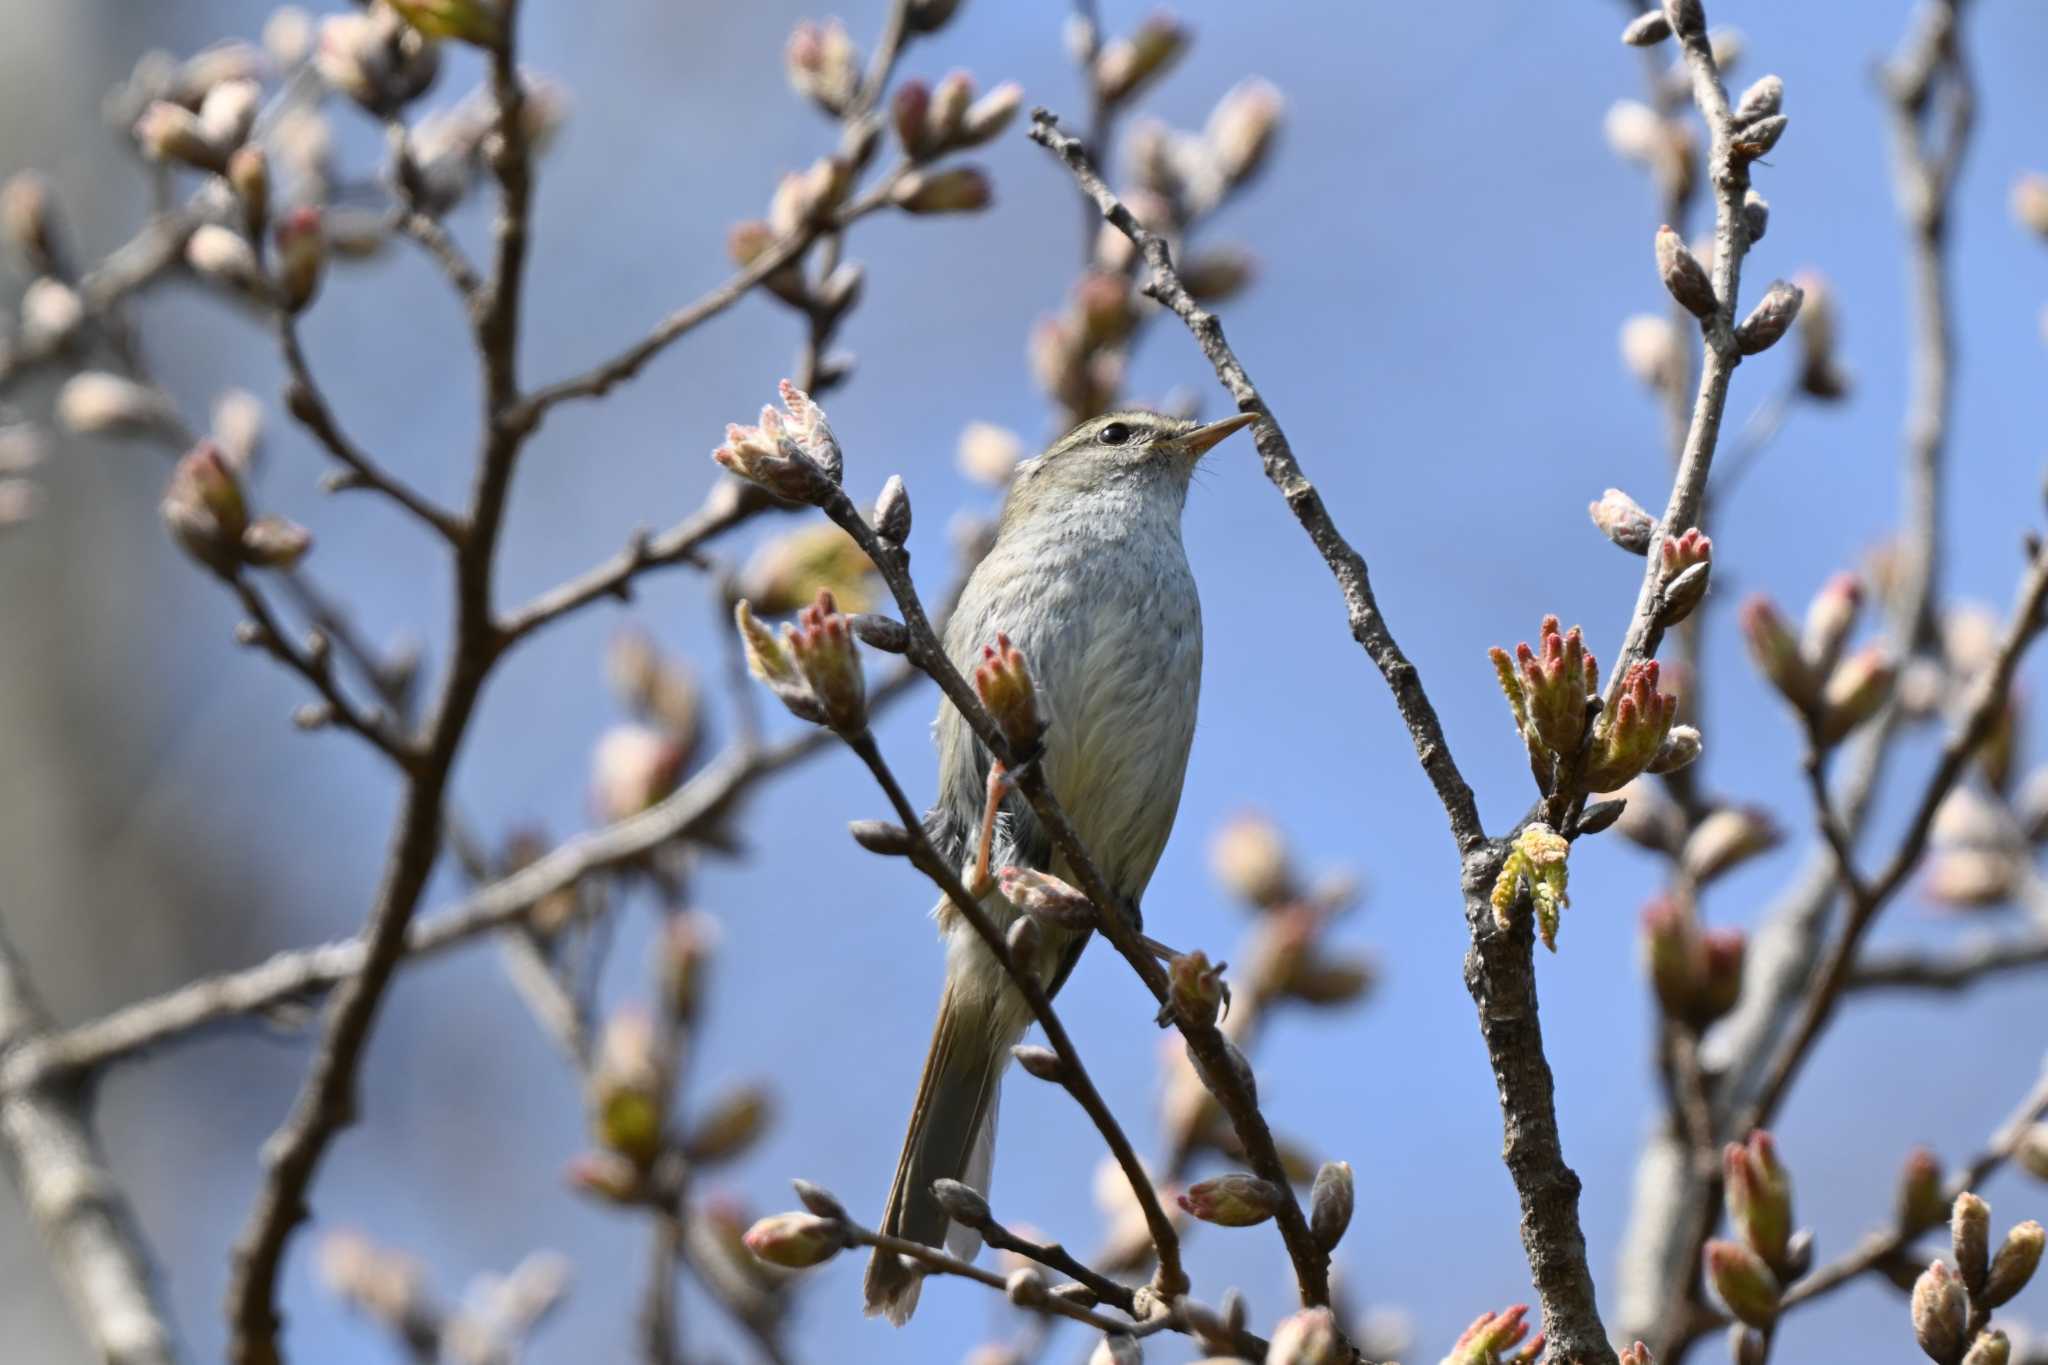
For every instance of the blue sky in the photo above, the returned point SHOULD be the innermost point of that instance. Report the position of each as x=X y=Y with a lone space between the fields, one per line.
x=1447 y=249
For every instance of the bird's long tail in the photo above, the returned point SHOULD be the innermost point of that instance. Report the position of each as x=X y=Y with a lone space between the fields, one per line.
x=952 y=1137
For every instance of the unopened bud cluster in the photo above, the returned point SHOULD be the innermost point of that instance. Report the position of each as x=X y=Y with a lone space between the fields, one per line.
x=1550 y=691
x=814 y=669
x=791 y=454
x=1697 y=972
x=1535 y=861
x=1832 y=693
x=1951 y=1307
x=207 y=514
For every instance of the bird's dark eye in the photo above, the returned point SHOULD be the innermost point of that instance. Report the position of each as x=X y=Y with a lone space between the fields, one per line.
x=1115 y=434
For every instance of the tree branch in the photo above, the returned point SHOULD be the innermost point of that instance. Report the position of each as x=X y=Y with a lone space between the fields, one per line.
x=95 y=1249
x=1499 y=968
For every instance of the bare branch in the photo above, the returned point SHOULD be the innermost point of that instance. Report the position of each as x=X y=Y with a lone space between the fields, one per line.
x=314 y=665
x=1499 y=969
x=1073 y=1072
x=54 y=1160
x=1954 y=971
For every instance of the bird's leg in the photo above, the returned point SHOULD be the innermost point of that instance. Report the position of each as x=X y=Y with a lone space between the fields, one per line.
x=998 y=788
x=1158 y=949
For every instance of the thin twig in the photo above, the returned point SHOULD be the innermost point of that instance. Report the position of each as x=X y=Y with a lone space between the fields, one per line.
x=1073 y=1072
x=304 y=400
x=1906 y=969
x=314 y=665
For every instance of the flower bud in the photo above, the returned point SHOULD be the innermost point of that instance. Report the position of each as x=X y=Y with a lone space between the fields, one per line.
x=962 y=1203
x=819 y=1200
x=1041 y=1062
x=947 y=110
x=2032 y=1152
x=1969 y=1229
x=1921 y=1203
x=627 y=1094
x=2017 y=1259
x=1235 y=1200
x=1758 y=138
x=1547 y=690
x=959 y=189
x=1622 y=520
x=1124 y=64
x=1743 y=1281
x=1004 y=684
x=1683 y=274
x=892 y=511
x=767 y=660
x=633 y=768
x=795 y=1240
x=171 y=132
x=1241 y=128
x=1330 y=1203
x=1761 y=100
x=274 y=543
x=730 y=1125
x=1770 y=319
x=204 y=508
x=1728 y=836
x=1776 y=652
x=823 y=65
x=1248 y=855
x=1759 y=1196
x=1025 y=1287
x=1045 y=897
x=301 y=254
x=605 y=1175
x=1857 y=690
x=1637 y=1354
x=826 y=654
x=1195 y=988
x=909 y=115
x=988 y=116
x=1721 y=986
x=1308 y=1337
x=1830 y=619
x=224 y=256
x=1941 y=1312
x=249 y=175
x=97 y=403
x=1680 y=749
x=1627 y=739
x=784 y=454
x=686 y=945
x=1647 y=29
x=1990 y=1348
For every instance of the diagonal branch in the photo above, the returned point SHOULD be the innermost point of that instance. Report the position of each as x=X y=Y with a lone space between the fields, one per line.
x=1499 y=968
x=95 y=1249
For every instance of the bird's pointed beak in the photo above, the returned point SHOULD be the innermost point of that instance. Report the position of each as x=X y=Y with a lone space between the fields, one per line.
x=1197 y=442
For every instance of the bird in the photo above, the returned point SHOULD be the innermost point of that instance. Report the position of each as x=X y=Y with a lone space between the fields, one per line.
x=1087 y=578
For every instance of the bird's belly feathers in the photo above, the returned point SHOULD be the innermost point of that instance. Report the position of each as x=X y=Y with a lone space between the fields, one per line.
x=1119 y=665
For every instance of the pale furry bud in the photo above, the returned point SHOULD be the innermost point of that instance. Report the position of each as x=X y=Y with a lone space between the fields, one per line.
x=1330 y=1203
x=1761 y=100
x=51 y=313
x=892 y=511
x=2030 y=202
x=1622 y=520
x=224 y=256
x=1647 y=29
x=1683 y=274
x=1941 y=1313
x=1770 y=319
